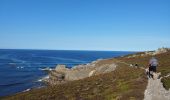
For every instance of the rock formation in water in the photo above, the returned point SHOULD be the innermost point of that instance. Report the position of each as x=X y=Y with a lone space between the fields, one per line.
x=61 y=74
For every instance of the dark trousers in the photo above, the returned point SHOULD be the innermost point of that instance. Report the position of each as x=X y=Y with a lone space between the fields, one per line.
x=153 y=69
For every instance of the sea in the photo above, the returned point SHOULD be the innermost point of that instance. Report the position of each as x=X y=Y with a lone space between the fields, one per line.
x=21 y=70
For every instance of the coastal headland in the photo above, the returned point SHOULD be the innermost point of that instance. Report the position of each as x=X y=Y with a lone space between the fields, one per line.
x=120 y=78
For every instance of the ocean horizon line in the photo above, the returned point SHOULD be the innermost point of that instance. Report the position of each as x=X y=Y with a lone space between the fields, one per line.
x=73 y=50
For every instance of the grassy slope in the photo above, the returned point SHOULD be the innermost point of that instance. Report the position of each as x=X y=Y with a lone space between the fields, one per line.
x=164 y=65
x=124 y=83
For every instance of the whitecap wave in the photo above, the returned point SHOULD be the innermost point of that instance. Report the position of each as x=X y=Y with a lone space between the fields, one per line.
x=43 y=78
x=20 y=67
x=27 y=90
x=46 y=69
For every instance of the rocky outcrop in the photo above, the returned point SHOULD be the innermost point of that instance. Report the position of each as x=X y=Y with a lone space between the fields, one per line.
x=151 y=53
x=161 y=50
x=62 y=74
x=158 y=51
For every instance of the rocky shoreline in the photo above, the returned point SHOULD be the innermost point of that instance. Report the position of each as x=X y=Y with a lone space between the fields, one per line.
x=62 y=74
x=115 y=78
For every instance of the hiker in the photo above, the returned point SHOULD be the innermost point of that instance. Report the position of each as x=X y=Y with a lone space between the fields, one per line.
x=153 y=63
x=136 y=65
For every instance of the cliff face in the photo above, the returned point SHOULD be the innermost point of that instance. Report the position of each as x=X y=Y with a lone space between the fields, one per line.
x=61 y=74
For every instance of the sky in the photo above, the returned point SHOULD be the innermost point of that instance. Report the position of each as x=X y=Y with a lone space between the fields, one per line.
x=125 y=25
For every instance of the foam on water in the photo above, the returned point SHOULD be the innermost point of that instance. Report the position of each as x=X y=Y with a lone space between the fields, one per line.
x=43 y=78
x=24 y=69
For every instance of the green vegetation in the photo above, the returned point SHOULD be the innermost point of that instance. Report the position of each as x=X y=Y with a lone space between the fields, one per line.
x=164 y=65
x=122 y=83
x=166 y=82
x=125 y=83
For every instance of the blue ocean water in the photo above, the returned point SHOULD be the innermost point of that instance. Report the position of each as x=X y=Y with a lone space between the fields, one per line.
x=20 y=69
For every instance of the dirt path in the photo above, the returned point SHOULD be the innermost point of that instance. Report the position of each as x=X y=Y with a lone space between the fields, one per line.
x=156 y=91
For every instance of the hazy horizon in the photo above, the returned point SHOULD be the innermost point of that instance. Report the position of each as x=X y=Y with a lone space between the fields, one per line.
x=66 y=50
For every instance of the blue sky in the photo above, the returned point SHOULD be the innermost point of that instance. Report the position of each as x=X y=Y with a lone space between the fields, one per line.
x=127 y=25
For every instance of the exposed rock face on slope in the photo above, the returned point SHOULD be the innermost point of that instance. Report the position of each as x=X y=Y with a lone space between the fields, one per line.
x=61 y=74
x=151 y=53
x=158 y=51
x=125 y=83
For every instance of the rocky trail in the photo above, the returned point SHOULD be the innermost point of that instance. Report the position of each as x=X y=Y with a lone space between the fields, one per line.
x=156 y=91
